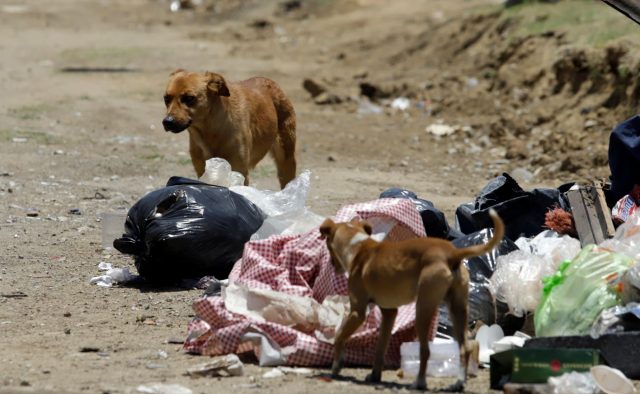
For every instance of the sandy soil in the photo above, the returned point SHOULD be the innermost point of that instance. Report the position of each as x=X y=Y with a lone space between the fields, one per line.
x=76 y=144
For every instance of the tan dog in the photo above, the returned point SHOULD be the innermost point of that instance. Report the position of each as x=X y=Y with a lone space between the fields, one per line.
x=390 y=274
x=239 y=122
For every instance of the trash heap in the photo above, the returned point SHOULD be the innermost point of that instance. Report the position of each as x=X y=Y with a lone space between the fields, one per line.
x=556 y=304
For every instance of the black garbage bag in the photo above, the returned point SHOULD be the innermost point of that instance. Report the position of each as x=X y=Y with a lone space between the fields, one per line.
x=188 y=229
x=523 y=212
x=482 y=305
x=434 y=221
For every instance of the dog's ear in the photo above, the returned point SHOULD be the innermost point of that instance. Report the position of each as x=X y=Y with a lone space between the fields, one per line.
x=367 y=228
x=178 y=70
x=216 y=84
x=326 y=227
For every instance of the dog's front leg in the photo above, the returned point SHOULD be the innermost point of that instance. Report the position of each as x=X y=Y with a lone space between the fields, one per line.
x=388 y=318
x=354 y=320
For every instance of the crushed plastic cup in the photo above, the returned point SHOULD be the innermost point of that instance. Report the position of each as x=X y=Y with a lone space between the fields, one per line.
x=611 y=380
x=112 y=227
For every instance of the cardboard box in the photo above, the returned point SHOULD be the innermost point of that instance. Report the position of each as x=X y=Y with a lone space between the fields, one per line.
x=537 y=365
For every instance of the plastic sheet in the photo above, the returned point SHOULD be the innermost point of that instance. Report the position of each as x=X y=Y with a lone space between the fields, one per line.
x=582 y=288
x=517 y=279
x=188 y=229
x=285 y=210
x=573 y=383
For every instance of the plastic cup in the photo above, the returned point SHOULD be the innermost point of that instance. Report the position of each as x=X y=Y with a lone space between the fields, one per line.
x=611 y=380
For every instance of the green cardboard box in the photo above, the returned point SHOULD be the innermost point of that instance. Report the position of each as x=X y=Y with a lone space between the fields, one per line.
x=537 y=365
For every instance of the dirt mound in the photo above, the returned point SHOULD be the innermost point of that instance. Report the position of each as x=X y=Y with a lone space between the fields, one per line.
x=546 y=104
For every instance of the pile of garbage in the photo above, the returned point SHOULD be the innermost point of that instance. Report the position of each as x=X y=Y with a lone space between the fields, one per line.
x=559 y=297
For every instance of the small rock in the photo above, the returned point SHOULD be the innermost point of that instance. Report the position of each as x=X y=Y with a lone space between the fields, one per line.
x=590 y=123
x=75 y=211
x=327 y=98
x=89 y=349
x=314 y=88
x=67 y=331
x=331 y=158
x=67 y=314
x=440 y=130
x=32 y=213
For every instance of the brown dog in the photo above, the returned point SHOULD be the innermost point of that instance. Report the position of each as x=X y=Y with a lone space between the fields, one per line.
x=239 y=122
x=391 y=274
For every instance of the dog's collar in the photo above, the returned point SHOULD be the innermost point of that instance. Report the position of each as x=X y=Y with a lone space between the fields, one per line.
x=358 y=238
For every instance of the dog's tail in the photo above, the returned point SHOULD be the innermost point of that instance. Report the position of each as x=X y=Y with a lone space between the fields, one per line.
x=479 y=250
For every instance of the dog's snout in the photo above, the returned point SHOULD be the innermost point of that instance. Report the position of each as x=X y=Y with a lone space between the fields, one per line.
x=169 y=123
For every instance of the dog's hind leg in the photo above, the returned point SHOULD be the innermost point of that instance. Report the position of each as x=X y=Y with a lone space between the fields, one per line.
x=284 y=148
x=388 y=318
x=353 y=321
x=433 y=285
x=457 y=302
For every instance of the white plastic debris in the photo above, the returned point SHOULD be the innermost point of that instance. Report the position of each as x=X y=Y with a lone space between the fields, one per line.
x=611 y=380
x=228 y=365
x=112 y=275
x=401 y=103
x=440 y=130
x=274 y=373
x=487 y=336
x=444 y=358
x=573 y=383
x=163 y=388
x=286 y=209
x=304 y=313
x=218 y=172
x=517 y=280
x=366 y=107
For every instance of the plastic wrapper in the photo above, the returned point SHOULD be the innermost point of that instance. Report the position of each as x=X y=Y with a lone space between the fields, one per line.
x=616 y=319
x=517 y=280
x=218 y=172
x=188 y=229
x=573 y=383
x=482 y=305
x=285 y=210
x=581 y=288
x=627 y=238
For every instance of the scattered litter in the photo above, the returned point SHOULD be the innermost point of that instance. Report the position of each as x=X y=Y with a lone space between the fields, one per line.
x=472 y=83
x=611 y=380
x=579 y=291
x=296 y=371
x=19 y=140
x=14 y=9
x=162 y=354
x=274 y=373
x=487 y=336
x=112 y=275
x=444 y=359
x=218 y=172
x=401 y=103
x=517 y=279
x=228 y=365
x=573 y=383
x=15 y=294
x=366 y=107
x=163 y=388
x=89 y=349
x=617 y=318
x=440 y=130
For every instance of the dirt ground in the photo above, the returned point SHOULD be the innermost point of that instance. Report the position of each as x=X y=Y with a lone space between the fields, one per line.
x=75 y=144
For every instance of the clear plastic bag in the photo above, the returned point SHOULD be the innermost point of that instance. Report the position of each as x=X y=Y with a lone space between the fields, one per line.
x=517 y=280
x=573 y=383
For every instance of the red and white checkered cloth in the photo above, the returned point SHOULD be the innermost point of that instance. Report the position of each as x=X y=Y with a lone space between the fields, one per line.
x=300 y=265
